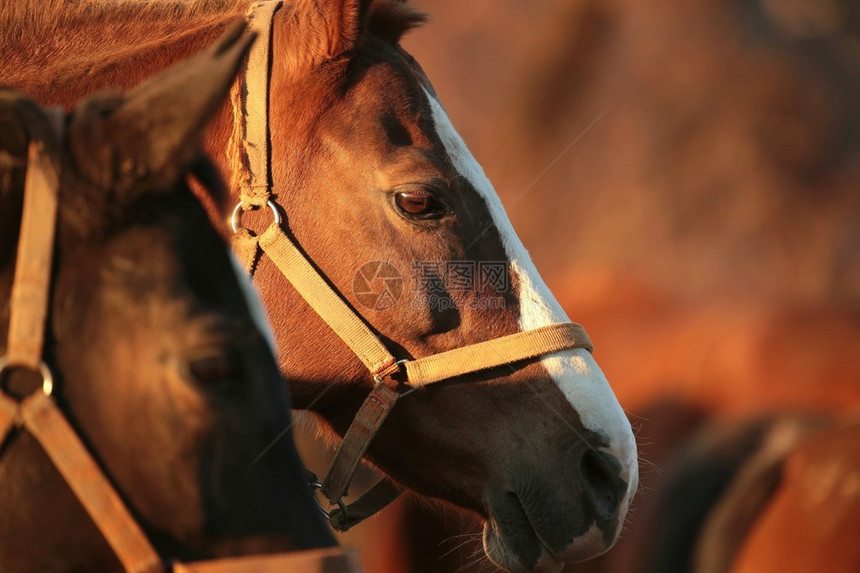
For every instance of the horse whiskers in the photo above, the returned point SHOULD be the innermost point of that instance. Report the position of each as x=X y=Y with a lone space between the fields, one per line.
x=470 y=537
x=453 y=537
x=645 y=464
x=475 y=541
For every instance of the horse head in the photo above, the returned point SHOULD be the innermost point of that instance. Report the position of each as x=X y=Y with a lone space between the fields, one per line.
x=384 y=197
x=160 y=361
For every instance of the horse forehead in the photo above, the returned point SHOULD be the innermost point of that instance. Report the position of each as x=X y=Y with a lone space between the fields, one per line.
x=386 y=90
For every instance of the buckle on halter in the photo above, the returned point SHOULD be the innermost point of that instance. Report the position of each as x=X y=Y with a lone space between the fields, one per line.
x=396 y=373
x=315 y=485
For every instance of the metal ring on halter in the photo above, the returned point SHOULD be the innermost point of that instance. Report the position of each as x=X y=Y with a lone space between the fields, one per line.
x=236 y=217
x=315 y=485
x=47 y=375
x=378 y=379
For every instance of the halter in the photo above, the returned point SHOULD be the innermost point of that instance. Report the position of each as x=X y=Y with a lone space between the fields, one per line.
x=393 y=378
x=39 y=414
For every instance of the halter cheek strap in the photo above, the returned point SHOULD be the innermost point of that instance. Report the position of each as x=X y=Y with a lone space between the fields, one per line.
x=251 y=114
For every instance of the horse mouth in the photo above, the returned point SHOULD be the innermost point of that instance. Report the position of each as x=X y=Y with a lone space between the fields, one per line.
x=505 y=555
x=514 y=543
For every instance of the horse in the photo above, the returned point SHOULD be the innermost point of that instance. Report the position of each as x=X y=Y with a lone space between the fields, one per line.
x=375 y=190
x=815 y=509
x=158 y=386
x=774 y=492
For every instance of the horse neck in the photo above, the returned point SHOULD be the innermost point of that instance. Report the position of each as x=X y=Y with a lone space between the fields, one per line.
x=81 y=61
x=86 y=55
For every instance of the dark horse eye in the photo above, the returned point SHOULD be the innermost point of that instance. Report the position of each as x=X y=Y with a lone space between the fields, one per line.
x=419 y=204
x=217 y=372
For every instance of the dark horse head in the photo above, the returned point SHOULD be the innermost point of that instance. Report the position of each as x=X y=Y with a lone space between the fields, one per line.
x=160 y=362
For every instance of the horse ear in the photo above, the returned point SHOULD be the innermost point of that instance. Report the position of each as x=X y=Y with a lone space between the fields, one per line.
x=150 y=136
x=319 y=30
x=21 y=121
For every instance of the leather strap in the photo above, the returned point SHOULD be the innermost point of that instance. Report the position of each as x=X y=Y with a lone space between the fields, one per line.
x=326 y=302
x=44 y=420
x=254 y=98
x=247 y=250
x=31 y=288
x=327 y=560
x=367 y=422
x=40 y=416
x=8 y=413
x=496 y=352
x=370 y=503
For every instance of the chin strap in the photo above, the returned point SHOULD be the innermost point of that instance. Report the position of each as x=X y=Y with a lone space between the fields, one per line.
x=393 y=378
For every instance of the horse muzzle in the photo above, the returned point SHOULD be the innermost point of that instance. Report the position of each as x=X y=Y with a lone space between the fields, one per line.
x=542 y=521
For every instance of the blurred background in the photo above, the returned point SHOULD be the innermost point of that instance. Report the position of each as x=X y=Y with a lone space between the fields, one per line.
x=686 y=175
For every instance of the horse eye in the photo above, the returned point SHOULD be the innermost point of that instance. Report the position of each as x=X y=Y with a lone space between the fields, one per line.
x=219 y=373
x=419 y=204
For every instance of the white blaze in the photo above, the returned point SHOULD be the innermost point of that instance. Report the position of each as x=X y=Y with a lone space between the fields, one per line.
x=574 y=371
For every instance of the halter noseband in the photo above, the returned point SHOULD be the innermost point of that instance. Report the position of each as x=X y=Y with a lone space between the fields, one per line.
x=251 y=136
x=39 y=414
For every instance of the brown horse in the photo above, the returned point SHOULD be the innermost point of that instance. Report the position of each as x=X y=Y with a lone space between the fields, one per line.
x=157 y=359
x=815 y=511
x=771 y=493
x=366 y=166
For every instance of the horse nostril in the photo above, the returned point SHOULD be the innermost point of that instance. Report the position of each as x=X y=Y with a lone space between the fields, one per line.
x=603 y=486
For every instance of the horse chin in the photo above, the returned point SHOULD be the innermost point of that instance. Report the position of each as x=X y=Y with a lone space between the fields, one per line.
x=516 y=554
x=501 y=551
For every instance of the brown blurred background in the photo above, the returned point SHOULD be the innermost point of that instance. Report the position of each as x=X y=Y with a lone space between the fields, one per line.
x=712 y=146
x=686 y=175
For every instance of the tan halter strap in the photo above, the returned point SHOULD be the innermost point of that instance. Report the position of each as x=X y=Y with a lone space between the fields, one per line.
x=39 y=414
x=31 y=287
x=352 y=329
x=324 y=560
x=250 y=98
x=389 y=373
